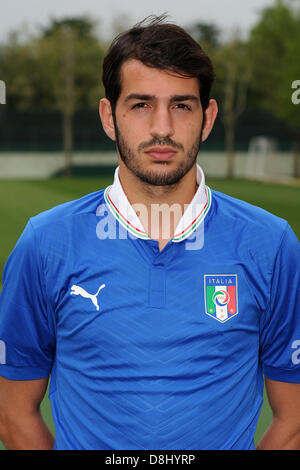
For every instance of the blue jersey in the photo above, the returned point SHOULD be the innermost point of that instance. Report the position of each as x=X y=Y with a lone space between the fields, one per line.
x=150 y=349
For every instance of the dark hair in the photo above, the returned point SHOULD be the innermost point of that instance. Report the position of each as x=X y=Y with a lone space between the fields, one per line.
x=160 y=45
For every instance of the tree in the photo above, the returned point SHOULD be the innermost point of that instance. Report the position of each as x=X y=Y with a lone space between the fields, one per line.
x=73 y=57
x=274 y=46
x=234 y=79
x=60 y=68
x=82 y=25
x=17 y=67
x=207 y=34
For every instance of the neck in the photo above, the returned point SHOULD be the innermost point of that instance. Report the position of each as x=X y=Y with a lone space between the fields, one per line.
x=159 y=208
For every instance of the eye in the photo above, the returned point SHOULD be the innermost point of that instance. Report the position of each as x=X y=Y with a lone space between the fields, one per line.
x=183 y=106
x=140 y=105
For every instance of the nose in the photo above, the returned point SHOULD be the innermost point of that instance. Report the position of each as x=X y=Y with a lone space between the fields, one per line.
x=161 y=123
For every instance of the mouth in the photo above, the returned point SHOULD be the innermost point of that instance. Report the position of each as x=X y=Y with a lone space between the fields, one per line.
x=161 y=153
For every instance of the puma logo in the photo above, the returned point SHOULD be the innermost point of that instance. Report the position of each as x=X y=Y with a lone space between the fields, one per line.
x=77 y=290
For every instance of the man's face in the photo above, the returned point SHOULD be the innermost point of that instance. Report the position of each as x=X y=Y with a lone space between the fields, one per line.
x=158 y=123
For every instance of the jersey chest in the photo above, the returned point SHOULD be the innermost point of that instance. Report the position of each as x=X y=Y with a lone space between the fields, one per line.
x=128 y=304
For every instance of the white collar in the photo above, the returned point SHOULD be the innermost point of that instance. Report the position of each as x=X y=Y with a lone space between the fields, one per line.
x=194 y=214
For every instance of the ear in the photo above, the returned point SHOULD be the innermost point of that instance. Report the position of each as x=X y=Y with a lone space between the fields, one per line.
x=210 y=115
x=105 y=112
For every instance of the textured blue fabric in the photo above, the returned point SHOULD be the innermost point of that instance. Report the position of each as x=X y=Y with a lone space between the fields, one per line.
x=136 y=361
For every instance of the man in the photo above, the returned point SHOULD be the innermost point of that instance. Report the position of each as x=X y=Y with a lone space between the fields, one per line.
x=155 y=305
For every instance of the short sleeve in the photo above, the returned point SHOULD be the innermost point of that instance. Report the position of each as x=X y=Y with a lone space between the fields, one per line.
x=280 y=325
x=27 y=336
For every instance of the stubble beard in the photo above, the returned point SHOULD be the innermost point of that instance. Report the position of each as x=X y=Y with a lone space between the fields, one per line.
x=163 y=178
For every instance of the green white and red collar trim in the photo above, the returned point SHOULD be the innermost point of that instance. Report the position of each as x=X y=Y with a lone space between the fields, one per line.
x=194 y=214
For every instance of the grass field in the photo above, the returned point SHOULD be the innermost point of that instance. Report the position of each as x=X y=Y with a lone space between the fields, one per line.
x=20 y=200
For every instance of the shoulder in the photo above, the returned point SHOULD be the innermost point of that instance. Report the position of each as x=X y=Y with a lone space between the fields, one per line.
x=250 y=230
x=240 y=214
x=68 y=211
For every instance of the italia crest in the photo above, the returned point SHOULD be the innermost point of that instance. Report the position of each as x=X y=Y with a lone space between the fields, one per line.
x=221 y=296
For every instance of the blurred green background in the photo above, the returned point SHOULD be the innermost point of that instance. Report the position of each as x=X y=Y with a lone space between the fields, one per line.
x=53 y=148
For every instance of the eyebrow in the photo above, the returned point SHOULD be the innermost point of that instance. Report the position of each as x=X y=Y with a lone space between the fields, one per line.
x=174 y=99
x=184 y=98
